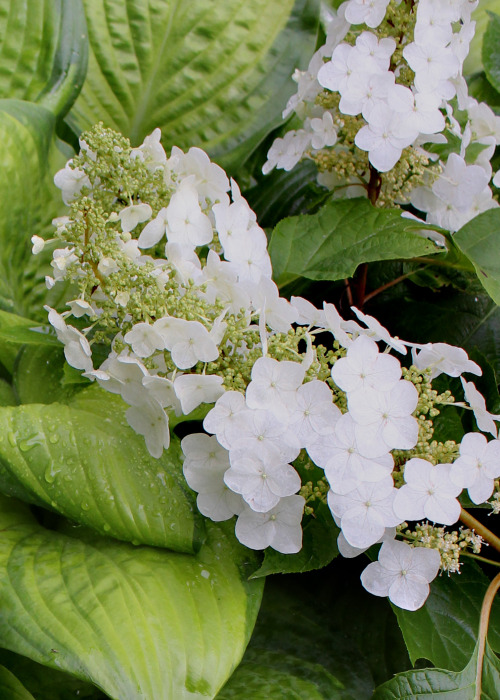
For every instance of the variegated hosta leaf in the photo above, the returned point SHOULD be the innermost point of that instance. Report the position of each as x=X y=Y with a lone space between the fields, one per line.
x=140 y=623
x=28 y=200
x=83 y=460
x=212 y=74
x=43 y=51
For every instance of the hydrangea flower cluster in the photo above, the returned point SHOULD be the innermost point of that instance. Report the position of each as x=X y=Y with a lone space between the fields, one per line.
x=386 y=112
x=174 y=309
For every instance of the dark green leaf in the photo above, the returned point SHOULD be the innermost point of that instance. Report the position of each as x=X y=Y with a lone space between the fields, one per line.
x=46 y=683
x=296 y=636
x=39 y=373
x=330 y=244
x=138 y=622
x=283 y=193
x=444 y=630
x=11 y=688
x=216 y=75
x=83 y=460
x=491 y=50
x=479 y=240
x=447 y=684
x=274 y=675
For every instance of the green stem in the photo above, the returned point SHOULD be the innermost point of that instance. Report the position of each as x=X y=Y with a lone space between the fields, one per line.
x=478 y=558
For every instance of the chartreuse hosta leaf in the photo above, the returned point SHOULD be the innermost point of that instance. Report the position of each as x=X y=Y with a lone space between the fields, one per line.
x=83 y=460
x=330 y=244
x=11 y=688
x=28 y=199
x=43 y=51
x=140 y=623
x=212 y=74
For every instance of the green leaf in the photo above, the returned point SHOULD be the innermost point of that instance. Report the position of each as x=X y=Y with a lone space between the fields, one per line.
x=271 y=675
x=215 y=75
x=319 y=547
x=491 y=51
x=330 y=244
x=83 y=460
x=444 y=630
x=283 y=193
x=296 y=637
x=28 y=201
x=43 y=52
x=448 y=685
x=39 y=374
x=11 y=688
x=138 y=622
x=479 y=240
x=46 y=683
x=9 y=344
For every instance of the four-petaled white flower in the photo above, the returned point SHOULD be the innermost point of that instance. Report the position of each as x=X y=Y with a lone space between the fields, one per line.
x=403 y=573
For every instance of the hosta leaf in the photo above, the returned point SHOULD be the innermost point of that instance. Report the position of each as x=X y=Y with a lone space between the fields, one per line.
x=490 y=51
x=28 y=200
x=444 y=630
x=330 y=244
x=43 y=51
x=46 y=683
x=268 y=675
x=296 y=637
x=215 y=74
x=479 y=240
x=83 y=460
x=448 y=685
x=138 y=622
x=11 y=688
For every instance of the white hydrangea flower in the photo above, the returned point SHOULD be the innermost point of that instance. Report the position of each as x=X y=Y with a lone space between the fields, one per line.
x=279 y=528
x=428 y=493
x=402 y=573
x=477 y=467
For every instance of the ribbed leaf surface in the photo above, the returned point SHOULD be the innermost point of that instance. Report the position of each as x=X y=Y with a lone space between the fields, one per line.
x=140 y=623
x=209 y=73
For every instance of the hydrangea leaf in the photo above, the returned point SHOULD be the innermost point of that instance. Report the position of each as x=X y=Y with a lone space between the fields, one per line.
x=330 y=244
x=444 y=630
x=215 y=75
x=43 y=52
x=83 y=460
x=474 y=61
x=479 y=240
x=28 y=201
x=11 y=688
x=138 y=622
x=451 y=685
x=326 y=667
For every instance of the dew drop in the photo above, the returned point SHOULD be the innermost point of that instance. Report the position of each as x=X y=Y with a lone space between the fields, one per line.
x=50 y=474
x=12 y=439
x=53 y=439
x=106 y=527
x=85 y=505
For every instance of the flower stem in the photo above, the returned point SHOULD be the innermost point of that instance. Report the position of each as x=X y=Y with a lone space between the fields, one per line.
x=478 y=558
x=486 y=534
x=483 y=631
